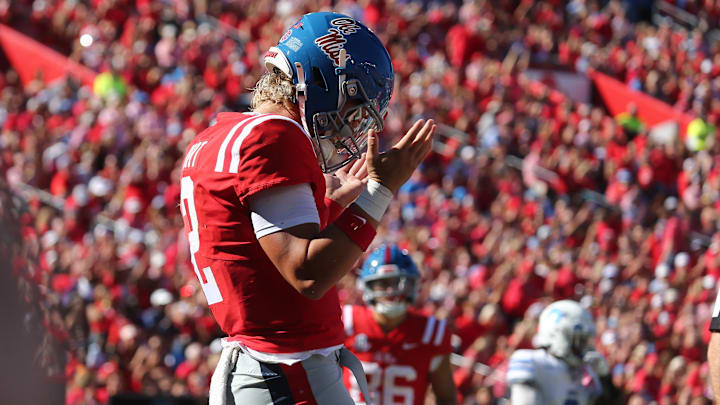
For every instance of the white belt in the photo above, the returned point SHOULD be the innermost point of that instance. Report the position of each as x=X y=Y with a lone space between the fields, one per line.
x=352 y=363
x=219 y=380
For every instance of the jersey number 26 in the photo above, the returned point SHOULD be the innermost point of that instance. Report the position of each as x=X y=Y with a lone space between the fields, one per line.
x=392 y=394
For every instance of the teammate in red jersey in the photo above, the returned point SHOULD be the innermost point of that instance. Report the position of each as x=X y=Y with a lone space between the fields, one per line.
x=402 y=350
x=268 y=231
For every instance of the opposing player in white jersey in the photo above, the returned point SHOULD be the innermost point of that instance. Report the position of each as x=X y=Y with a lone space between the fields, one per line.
x=564 y=369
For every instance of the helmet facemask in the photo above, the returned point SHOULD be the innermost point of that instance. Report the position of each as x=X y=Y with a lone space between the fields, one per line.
x=581 y=342
x=390 y=295
x=341 y=135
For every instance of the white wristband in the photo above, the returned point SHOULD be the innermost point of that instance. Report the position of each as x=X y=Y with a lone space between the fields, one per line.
x=375 y=199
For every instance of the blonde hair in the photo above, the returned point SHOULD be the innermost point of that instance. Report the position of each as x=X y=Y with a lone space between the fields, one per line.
x=274 y=87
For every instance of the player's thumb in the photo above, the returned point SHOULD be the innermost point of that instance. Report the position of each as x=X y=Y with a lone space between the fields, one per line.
x=372 y=150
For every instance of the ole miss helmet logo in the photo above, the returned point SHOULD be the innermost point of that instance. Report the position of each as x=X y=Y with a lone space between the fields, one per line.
x=334 y=41
x=346 y=25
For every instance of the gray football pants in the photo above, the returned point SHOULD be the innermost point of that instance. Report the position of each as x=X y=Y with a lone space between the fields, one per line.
x=315 y=380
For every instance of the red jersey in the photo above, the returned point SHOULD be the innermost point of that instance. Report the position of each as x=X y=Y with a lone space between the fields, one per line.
x=397 y=364
x=224 y=165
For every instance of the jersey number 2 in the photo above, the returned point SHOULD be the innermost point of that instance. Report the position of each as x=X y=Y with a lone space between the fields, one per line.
x=187 y=207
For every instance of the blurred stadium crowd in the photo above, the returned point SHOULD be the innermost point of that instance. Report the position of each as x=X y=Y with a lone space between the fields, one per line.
x=596 y=210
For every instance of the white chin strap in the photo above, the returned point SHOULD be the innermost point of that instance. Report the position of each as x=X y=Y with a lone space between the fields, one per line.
x=326 y=149
x=341 y=79
x=301 y=94
x=276 y=60
x=390 y=309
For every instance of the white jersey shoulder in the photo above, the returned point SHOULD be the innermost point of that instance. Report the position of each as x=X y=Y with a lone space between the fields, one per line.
x=557 y=383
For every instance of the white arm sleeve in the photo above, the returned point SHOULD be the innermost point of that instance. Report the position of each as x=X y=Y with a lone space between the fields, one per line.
x=282 y=207
x=525 y=394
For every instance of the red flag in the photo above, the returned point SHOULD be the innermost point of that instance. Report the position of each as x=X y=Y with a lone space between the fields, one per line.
x=29 y=57
x=617 y=96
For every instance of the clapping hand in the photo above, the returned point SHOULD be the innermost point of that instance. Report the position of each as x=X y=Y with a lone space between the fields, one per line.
x=394 y=167
x=345 y=184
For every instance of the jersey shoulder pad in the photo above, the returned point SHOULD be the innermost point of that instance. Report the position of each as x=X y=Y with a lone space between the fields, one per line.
x=522 y=368
x=273 y=150
x=434 y=333
x=273 y=124
x=358 y=320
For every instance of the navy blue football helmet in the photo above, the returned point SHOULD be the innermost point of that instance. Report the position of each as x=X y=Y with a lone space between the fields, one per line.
x=389 y=272
x=343 y=78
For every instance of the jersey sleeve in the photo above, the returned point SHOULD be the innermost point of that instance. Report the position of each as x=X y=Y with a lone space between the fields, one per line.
x=348 y=320
x=436 y=336
x=715 y=322
x=444 y=336
x=521 y=369
x=276 y=152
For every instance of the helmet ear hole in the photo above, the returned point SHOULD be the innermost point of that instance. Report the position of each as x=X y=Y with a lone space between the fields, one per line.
x=319 y=79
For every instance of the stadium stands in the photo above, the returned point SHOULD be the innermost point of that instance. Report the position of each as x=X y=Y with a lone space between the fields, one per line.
x=530 y=197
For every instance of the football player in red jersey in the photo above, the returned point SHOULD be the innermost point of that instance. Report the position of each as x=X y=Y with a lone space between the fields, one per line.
x=266 y=219
x=402 y=350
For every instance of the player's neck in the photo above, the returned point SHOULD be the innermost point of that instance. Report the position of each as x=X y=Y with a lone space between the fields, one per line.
x=388 y=323
x=277 y=108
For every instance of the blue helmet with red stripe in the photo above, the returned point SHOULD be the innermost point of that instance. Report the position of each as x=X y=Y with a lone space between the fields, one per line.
x=389 y=272
x=343 y=79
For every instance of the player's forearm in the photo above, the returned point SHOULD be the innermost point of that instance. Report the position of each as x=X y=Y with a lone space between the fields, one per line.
x=714 y=363
x=314 y=261
x=443 y=384
x=330 y=256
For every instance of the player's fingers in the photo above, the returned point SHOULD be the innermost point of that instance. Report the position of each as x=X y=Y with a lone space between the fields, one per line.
x=342 y=176
x=354 y=166
x=363 y=172
x=410 y=134
x=426 y=146
x=372 y=150
x=417 y=147
x=430 y=136
x=425 y=131
x=358 y=165
x=343 y=169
